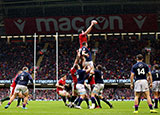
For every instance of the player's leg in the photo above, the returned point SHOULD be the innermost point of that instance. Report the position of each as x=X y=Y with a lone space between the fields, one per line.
x=156 y=99
x=82 y=96
x=63 y=96
x=8 y=97
x=107 y=102
x=98 y=101
x=76 y=101
x=11 y=99
x=87 y=100
x=93 y=101
x=149 y=102
x=82 y=92
x=4 y=99
x=20 y=97
x=137 y=95
x=26 y=94
x=74 y=93
x=18 y=102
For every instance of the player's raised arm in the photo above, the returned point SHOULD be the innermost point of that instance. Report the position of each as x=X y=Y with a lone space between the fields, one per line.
x=93 y=22
x=77 y=58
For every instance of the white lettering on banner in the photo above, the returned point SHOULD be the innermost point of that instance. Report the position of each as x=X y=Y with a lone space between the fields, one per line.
x=67 y=24
x=139 y=21
x=47 y=24
x=112 y=19
x=75 y=20
x=20 y=24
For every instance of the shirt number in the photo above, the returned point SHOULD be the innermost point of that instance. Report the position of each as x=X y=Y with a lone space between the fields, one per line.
x=141 y=71
x=157 y=75
x=22 y=78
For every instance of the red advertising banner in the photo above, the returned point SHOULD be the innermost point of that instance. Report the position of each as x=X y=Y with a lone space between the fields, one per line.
x=70 y=24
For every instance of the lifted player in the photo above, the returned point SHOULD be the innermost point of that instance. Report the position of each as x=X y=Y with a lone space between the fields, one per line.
x=61 y=89
x=140 y=71
x=156 y=84
x=83 y=34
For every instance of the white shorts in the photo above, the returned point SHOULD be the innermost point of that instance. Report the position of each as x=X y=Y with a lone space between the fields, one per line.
x=156 y=86
x=141 y=86
x=21 y=88
x=81 y=89
x=89 y=63
x=62 y=92
x=98 y=89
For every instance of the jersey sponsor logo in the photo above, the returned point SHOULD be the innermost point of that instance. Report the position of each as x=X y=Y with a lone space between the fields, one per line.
x=140 y=65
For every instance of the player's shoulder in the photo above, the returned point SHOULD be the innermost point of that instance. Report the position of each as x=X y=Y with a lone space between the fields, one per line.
x=80 y=70
x=140 y=65
x=96 y=71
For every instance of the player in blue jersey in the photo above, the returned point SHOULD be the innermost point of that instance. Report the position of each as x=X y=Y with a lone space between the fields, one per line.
x=99 y=86
x=82 y=75
x=139 y=72
x=86 y=53
x=156 y=84
x=21 y=86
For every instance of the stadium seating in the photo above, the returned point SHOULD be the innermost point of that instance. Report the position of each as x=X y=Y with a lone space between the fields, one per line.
x=115 y=54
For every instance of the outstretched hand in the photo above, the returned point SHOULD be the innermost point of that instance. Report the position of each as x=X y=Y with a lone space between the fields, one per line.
x=93 y=22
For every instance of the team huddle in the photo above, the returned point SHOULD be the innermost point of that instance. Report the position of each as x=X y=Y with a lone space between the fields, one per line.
x=87 y=81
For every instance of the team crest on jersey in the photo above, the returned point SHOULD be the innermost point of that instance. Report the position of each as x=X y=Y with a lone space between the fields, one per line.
x=140 y=65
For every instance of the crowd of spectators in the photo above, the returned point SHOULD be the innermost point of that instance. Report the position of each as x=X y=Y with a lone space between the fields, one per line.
x=115 y=54
x=13 y=57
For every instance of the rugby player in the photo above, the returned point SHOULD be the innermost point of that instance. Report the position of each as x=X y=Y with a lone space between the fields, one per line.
x=61 y=89
x=21 y=86
x=83 y=34
x=99 y=86
x=87 y=54
x=140 y=71
x=81 y=77
x=12 y=88
x=156 y=84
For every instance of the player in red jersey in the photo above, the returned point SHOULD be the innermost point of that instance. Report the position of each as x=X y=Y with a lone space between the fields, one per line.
x=83 y=34
x=12 y=88
x=61 y=89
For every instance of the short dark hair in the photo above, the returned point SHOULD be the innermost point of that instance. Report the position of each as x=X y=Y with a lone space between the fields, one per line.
x=80 y=31
x=63 y=75
x=99 y=67
x=84 y=43
x=156 y=66
x=139 y=57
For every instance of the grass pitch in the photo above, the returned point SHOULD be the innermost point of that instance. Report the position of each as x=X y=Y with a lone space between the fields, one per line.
x=58 y=108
